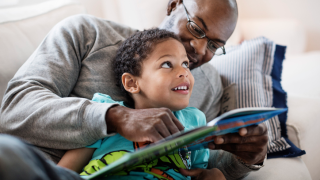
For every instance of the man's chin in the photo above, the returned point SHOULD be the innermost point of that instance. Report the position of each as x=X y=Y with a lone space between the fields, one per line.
x=193 y=63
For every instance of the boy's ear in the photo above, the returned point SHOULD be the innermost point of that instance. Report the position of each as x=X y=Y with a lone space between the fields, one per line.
x=172 y=5
x=130 y=83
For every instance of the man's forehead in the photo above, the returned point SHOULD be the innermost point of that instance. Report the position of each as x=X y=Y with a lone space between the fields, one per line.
x=210 y=6
x=220 y=15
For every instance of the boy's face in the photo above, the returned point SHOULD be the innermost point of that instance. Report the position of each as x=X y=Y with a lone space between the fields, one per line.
x=166 y=80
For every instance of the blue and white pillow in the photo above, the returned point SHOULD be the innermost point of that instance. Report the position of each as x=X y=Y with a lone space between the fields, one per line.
x=250 y=66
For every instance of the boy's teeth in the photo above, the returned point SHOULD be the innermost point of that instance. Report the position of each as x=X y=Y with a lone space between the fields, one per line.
x=181 y=87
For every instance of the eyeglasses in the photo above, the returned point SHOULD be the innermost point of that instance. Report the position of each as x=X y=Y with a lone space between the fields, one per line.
x=197 y=32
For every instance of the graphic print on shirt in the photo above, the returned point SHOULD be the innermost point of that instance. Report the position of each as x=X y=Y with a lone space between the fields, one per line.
x=159 y=168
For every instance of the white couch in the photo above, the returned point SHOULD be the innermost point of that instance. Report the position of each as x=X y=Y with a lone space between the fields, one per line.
x=23 y=28
x=300 y=74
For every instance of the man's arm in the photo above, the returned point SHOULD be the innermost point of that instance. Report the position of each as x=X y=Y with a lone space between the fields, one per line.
x=37 y=106
x=47 y=102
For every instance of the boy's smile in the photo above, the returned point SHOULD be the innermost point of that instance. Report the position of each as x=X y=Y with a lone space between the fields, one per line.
x=166 y=80
x=182 y=88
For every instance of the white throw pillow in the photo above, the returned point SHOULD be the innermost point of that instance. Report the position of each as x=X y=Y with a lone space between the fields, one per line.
x=249 y=66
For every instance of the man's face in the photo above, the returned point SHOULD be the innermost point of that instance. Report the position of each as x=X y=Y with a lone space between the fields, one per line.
x=214 y=17
x=166 y=80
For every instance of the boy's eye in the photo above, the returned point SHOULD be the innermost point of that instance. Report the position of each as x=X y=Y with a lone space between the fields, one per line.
x=166 y=65
x=185 y=64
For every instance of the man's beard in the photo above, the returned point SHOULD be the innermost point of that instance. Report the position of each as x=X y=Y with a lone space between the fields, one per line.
x=192 y=63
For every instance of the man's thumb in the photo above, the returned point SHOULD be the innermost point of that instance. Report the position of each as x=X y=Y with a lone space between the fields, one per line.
x=190 y=172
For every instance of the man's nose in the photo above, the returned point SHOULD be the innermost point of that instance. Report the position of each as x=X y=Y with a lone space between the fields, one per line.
x=199 y=45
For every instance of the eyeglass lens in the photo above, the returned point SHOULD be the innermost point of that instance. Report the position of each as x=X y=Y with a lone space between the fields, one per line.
x=197 y=32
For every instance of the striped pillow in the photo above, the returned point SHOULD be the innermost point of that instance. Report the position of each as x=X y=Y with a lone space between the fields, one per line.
x=249 y=66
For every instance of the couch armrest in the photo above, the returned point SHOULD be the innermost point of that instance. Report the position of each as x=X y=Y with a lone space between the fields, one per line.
x=304 y=115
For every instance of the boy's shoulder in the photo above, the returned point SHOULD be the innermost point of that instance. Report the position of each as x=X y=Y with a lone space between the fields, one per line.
x=192 y=110
x=104 y=98
x=192 y=115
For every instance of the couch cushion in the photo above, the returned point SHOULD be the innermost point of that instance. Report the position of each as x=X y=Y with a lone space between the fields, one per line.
x=23 y=28
x=281 y=168
x=249 y=65
x=304 y=115
x=301 y=73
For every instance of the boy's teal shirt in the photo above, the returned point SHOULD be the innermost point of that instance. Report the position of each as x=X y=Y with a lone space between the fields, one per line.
x=167 y=167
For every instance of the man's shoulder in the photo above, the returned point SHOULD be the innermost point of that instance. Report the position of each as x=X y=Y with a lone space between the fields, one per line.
x=206 y=72
x=207 y=90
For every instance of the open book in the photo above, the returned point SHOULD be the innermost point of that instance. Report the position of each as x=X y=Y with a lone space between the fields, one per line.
x=195 y=139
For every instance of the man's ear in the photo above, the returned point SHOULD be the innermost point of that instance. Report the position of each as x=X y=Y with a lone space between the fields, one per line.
x=130 y=83
x=172 y=5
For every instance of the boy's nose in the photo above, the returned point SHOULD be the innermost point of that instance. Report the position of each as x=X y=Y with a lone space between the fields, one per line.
x=183 y=73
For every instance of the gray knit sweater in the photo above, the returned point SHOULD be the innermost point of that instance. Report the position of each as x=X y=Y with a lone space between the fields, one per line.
x=47 y=103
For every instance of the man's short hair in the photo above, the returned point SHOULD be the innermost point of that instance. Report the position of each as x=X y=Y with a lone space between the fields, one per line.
x=137 y=48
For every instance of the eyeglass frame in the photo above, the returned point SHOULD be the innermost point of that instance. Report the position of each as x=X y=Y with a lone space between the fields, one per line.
x=204 y=34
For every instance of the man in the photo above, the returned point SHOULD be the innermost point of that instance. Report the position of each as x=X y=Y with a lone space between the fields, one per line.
x=47 y=102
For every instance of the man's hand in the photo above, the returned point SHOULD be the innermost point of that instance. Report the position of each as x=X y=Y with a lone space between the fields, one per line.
x=250 y=144
x=214 y=173
x=142 y=125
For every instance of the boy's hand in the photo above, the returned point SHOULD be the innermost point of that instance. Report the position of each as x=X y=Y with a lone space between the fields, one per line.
x=214 y=173
x=140 y=125
x=250 y=144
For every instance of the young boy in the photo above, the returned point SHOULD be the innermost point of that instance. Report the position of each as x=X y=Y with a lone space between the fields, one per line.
x=153 y=69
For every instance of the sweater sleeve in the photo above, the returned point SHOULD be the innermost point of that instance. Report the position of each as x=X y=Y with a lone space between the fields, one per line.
x=37 y=105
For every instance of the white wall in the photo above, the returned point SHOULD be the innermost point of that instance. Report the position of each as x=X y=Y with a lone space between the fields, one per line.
x=138 y=14
x=143 y=14
x=305 y=11
x=15 y=3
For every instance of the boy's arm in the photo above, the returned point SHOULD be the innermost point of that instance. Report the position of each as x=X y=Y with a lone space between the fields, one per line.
x=76 y=159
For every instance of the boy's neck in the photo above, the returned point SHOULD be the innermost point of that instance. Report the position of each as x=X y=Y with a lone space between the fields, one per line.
x=141 y=103
x=145 y=106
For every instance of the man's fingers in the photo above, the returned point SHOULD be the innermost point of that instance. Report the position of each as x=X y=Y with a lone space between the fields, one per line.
x=190 y=172
x=167 y=123
x=152 y=124
x=162 y=129
x=177 y=124
x=240 y=148
x=155 y=136
x=211 y=146
x=237 y=139
x=256 y=130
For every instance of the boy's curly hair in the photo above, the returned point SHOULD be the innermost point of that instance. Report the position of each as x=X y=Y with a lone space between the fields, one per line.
x=137 y=48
